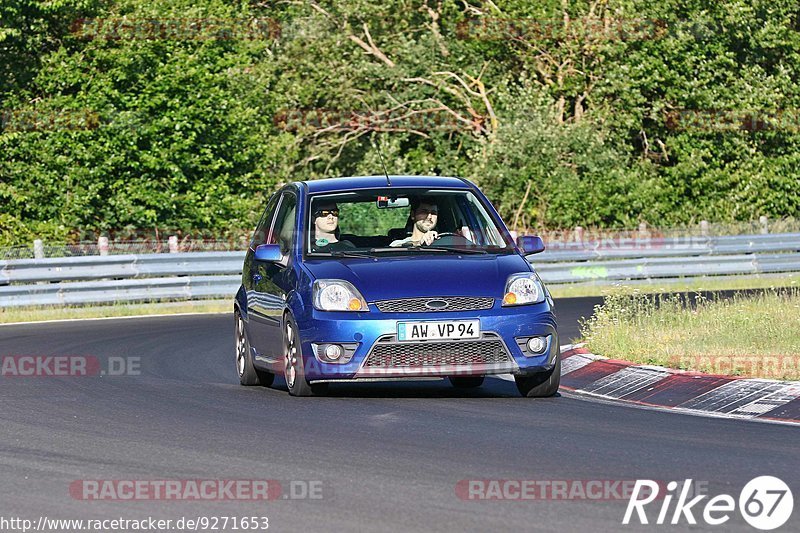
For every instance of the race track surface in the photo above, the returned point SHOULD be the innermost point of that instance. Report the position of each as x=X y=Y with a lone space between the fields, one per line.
x=388 y=457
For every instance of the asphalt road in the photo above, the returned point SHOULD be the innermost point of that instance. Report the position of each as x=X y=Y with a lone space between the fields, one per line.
x=382 y=457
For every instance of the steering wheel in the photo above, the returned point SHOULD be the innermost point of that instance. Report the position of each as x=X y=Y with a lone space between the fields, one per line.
x=452 y=239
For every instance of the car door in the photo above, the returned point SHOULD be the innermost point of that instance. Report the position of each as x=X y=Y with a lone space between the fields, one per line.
x=250 y=275
x=271 y=282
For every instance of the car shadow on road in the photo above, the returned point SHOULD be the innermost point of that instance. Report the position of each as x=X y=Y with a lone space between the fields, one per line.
x=491 y=388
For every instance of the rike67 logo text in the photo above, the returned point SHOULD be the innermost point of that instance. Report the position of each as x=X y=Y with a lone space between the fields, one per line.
x=765 y=503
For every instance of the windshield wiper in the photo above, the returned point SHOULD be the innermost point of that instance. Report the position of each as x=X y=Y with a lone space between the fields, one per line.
x=464 y=251
x=401 y=249
x=354 y=253
x=358 y=253
x=406 y=249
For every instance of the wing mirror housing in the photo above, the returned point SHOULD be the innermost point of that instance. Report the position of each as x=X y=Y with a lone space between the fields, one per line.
x=270 y=253
x=530 y=244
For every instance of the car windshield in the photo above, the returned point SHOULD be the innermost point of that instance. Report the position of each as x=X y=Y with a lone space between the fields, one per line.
x=402 y=221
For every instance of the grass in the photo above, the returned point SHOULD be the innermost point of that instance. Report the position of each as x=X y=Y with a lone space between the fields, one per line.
x=756 y=335
x=36 y=314
x=716 y=283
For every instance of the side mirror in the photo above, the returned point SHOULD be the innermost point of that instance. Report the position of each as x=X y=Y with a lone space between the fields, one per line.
x=270 y=253
x=530 y=244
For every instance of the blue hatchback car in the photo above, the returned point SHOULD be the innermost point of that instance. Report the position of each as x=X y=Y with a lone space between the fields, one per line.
x=391 y=277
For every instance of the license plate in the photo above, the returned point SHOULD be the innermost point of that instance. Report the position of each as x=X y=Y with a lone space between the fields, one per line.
x=418 y=331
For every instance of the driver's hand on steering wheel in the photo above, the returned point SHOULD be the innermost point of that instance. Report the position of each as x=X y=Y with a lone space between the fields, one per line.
x=428 y=238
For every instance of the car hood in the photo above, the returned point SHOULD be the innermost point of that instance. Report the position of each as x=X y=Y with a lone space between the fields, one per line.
x=423 y=276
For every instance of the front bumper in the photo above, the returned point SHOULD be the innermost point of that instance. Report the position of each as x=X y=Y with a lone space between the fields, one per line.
x=379 y=355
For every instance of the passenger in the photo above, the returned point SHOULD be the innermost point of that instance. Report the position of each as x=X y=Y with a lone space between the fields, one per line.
x=326 y=229
x=424 y=215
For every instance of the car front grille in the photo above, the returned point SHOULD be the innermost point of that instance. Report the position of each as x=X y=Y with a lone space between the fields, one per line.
x=388 y=353
x=420 y=305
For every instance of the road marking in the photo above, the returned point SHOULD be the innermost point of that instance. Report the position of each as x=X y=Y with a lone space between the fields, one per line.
x=729 y=397
x=570 y=393
x=782 y=396
x=624 y=382
x=573 y=363
x=732 y=398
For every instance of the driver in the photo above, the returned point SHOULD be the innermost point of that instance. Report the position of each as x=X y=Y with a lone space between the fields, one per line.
x=326 y=229
x=424 y=215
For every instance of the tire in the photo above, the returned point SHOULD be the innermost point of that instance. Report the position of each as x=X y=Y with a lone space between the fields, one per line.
x=265 y=378
x=293 y=363
x=466 y=382
x=541 y=385
x=248 y=374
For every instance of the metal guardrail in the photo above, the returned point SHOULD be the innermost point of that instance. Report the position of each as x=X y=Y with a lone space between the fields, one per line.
x=128 y=290
x=120 y=266
x=202 y=275
x=673 y=247
x=633 y=259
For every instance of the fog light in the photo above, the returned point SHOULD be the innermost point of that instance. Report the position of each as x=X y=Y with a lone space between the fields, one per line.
x=537 y=344
x=333 y=352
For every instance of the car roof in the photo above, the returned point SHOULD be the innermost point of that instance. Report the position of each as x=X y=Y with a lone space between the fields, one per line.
x=379 y=182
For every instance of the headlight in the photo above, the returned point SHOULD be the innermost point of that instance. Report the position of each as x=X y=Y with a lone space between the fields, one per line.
x=525 y=288
x=337 y=295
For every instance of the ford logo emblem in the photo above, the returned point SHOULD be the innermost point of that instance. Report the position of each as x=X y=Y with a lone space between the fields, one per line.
x=436 y=304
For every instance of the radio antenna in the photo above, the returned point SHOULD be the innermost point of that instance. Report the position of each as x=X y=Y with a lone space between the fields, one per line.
x=380 y=155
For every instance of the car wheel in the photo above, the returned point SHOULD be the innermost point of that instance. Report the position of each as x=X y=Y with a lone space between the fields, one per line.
x=248 y=374
x=540 y=385
x=466 y=382
x=293 y=359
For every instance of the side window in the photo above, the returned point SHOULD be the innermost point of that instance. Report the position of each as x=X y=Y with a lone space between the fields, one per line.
x=262 y=230
x=284 y=230
x=488 y=233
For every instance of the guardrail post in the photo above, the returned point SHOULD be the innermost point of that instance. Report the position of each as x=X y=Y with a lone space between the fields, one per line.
x=764 y=221
x=578 y=234
x=643 y=234
x=38 y=249
x=173 y=244
x=704 y=228
x=102 y=245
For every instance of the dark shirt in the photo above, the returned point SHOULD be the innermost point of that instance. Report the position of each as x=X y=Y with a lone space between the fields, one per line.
x=331 y=246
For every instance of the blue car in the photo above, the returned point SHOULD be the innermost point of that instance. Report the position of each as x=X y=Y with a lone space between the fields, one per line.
x=389 y=278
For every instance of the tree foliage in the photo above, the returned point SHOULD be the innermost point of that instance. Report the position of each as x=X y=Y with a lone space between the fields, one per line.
x=601 y=113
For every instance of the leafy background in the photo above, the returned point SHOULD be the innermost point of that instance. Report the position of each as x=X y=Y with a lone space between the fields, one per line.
x=565 y=112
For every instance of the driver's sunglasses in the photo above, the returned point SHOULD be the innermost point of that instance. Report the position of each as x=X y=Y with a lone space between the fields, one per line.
x=325 y=212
